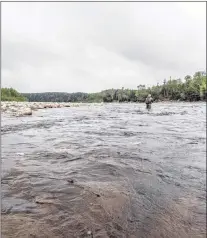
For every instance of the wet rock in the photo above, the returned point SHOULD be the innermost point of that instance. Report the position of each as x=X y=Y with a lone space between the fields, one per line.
x=70 y=181
x=3 y=107
x=89 y=233
x=26 y=108
x=49 y=106
x=34 y=107
x=177 y=184
x=25 y=112
x=40 y=106
x=6 y=210
x=12 y=109
x=40 y=200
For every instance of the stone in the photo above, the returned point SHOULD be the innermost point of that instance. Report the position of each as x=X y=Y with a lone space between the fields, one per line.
x=3 y=107
x=26 y=108
x=25 y=112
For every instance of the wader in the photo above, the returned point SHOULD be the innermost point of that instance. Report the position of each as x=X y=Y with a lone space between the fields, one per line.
x=148 y=105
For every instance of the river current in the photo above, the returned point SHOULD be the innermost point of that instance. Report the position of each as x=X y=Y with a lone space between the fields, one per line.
x=105 y=170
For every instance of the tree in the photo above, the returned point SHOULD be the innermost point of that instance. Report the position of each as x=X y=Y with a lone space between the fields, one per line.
x=191 y=89
x=10 y=94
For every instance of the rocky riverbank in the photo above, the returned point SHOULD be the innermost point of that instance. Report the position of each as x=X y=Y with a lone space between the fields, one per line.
x=27 y=108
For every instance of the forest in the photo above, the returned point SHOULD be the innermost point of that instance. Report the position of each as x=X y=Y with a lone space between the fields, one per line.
x=191 y=88
x=10 y=94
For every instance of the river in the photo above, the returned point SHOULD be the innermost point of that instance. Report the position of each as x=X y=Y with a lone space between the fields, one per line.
x=105 y=170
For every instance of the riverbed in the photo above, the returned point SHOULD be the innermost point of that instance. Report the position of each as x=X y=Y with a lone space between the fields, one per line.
x=109 y=170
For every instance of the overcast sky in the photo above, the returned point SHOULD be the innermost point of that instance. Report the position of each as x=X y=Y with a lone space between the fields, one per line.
x=90 y=47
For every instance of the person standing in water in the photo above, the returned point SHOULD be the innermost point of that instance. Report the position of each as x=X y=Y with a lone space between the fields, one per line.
x=148 y=101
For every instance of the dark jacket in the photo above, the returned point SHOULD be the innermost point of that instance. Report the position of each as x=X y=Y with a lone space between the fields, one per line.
x=148 y=100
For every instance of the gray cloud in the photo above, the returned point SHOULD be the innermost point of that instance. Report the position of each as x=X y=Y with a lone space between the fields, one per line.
x=93 y=46
x=15 y=54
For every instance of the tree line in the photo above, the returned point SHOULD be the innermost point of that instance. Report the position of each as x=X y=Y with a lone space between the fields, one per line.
x=192 y=88
x=10 y=94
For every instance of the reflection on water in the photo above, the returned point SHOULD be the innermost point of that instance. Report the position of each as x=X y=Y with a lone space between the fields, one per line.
x=112 y=170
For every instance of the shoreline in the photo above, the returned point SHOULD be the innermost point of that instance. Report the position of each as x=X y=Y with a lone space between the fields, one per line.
x=20 y=109
x=26 y=108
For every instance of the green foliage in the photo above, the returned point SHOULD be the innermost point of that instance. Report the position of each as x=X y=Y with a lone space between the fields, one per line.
x=56 y=97
x=94 y=97
x=10 y=94
x=192 y=88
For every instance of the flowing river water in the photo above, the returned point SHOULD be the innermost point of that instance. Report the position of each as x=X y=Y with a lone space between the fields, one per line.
x=105 y=170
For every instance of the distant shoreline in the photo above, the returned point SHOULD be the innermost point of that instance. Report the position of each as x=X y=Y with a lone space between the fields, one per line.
x=191 y=89
x=20 y=109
